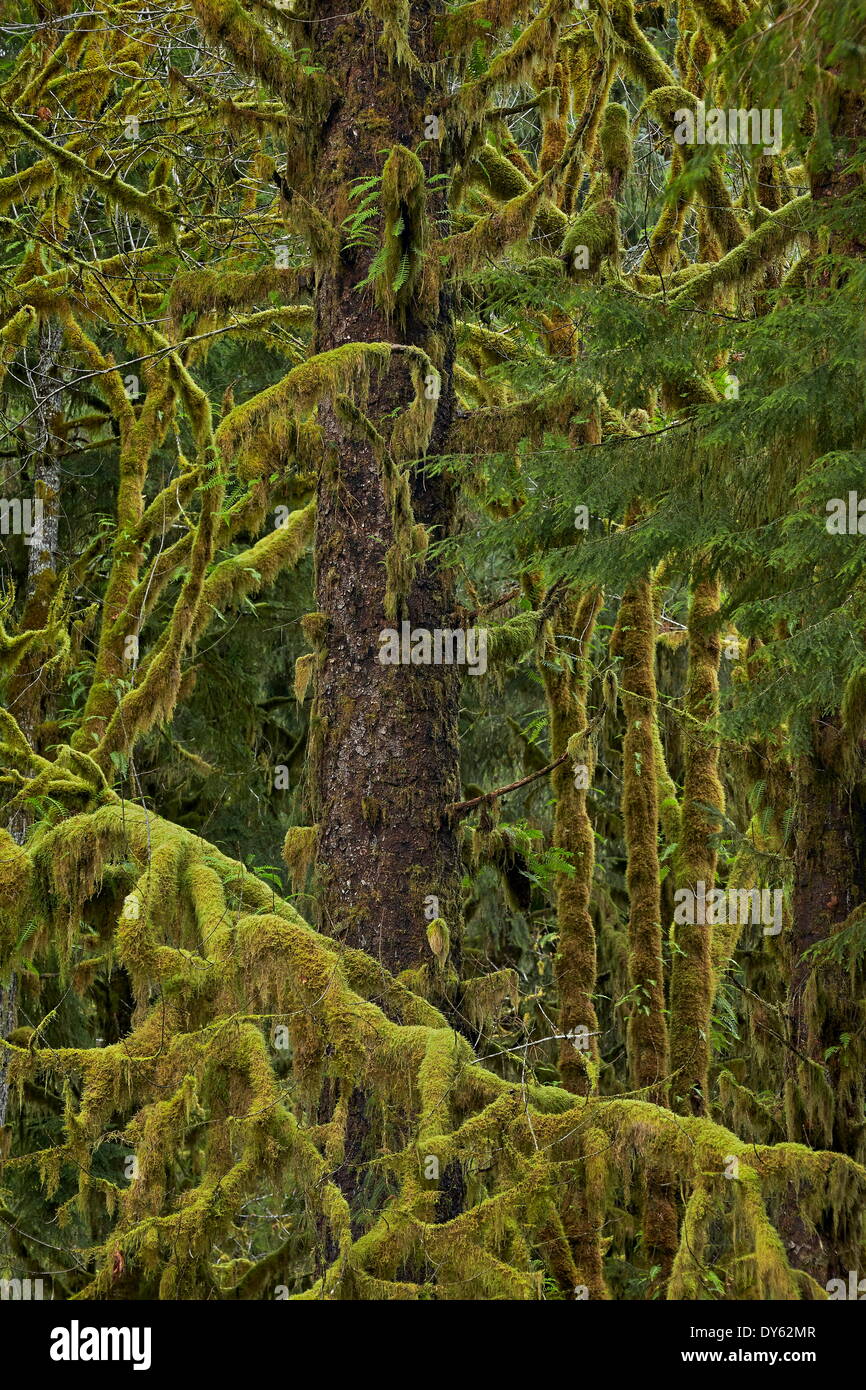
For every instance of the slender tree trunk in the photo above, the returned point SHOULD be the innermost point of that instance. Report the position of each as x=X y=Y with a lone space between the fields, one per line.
x=566 y=687
x=647 y=1036
x=573 y=832
x=28 y=693
x=8 y=995
x=692 y=964
x=647 y=1030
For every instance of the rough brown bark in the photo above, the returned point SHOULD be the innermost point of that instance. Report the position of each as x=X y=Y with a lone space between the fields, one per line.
x=825 y=1095
x=384 y=750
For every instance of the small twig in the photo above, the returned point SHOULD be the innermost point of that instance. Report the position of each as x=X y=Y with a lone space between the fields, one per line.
x=497 y=603
x=457 y=809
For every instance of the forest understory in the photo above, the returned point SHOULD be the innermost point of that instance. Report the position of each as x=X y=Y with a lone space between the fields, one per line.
x=433 y=650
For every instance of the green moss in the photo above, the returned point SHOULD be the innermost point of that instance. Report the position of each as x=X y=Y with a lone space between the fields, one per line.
x=692 y=976
x=615 y=141
x=304 y=668
x=592 y=238
x=299 y=851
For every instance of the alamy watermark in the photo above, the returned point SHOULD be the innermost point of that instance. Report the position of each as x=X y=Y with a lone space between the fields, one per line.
x=846 y=516
x=718 y=906
x=421 y=646
x=77 y=1343
x=21 y=516
x=838 y=1290
x=735 y=127
x=22 y=1290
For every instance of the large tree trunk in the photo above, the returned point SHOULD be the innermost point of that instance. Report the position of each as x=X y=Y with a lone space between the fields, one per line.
x=825 y=1096
x=384 y=748
x=824 y=1087
x=824 y=1082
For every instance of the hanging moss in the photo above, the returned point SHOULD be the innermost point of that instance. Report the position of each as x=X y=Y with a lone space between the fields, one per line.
x=211 y=294
x=498 y=173
x=460 y=27
x=13 y=336
x=144 y=206
x=304 y=668
x=227 y=22
x=592 y=237
x=747 y=260
x=615 y=142
x=534 y=1181
x=408 y=275
x=269 y=960
x=299 y=851
x=537 y=41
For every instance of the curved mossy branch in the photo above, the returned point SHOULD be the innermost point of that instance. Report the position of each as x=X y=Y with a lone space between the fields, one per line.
x=210 y=293
x=535 y=43
x=14 y=335
x=637 y=54
x=458 y=29
x=154 y=698
x=722 y=18
x=491 y=169
x=515 y=219
x=663 y=246
x=217 y=960
x=308 y=95
x=717 y=206
x=748 y=260
x=345 y=370
x=494 y=429
x=258 y=567
x=138 y=436
x=145 y=206
x=490 y=235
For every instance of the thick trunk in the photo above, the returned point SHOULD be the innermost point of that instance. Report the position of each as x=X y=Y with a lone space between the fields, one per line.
x=825 y=1093
x=384 y=748
x=824 y=1083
